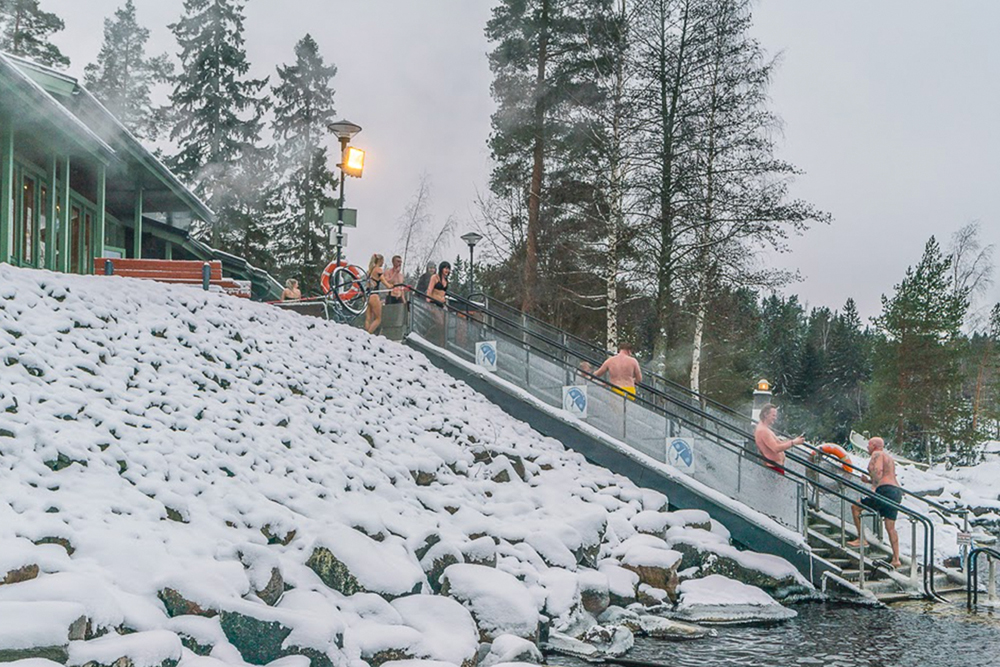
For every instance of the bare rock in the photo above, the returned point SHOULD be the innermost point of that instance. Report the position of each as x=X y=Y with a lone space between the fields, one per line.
x=23 y=573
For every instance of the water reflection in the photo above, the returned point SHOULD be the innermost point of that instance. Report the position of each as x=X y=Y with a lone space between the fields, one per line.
x=838 y=636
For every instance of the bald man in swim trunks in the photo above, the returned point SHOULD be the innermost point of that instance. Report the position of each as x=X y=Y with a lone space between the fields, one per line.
x=623 y=372
x=882 y=476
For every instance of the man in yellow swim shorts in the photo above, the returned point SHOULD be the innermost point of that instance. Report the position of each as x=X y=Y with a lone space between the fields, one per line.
x=623 y=372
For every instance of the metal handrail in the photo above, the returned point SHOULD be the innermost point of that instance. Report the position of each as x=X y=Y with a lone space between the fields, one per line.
x=928 y=552
x=705 y=400
x=972 y=577
x=963 y=512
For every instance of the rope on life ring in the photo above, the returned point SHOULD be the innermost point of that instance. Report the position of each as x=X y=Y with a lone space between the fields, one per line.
x=836 y=451
x=354 y=289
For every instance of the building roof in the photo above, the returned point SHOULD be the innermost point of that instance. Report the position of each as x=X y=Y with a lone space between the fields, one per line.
x=61 y=101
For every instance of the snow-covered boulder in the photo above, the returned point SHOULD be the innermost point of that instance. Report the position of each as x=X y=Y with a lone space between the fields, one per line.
x=447 y=629
x=439 y=558
x=712 y=554
x=656 y=568
x=350 y=562
x=499 y=603
x=622 y=583
x=101 y=606
x=596 y=644
x=649 y=625
x=154 y=648
x=595 y=591
x=511 y=649
x=378 y=644
x=39 y=629
x=717 y=599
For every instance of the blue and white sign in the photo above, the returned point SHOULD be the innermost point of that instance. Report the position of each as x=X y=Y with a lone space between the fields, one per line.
x=575 y=400
x=486 y=355
x=680 y=454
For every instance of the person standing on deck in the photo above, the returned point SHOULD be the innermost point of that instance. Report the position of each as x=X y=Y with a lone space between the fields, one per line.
x=768 y=444
x=882 y=476
x=394 y=278
x=623 y=372
x=425 y=278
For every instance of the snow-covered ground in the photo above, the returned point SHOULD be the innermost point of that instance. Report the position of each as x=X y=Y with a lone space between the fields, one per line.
x=186 y=476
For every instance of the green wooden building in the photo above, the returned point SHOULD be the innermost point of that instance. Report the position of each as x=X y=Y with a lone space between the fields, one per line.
x=75 y=184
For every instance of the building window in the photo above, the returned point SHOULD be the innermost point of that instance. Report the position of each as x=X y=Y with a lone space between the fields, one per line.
x=43 y=219
x=87 y=262
x=75 y=241
x=28 y=222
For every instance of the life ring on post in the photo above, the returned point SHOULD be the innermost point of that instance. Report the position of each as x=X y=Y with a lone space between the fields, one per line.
x=353 y=288
x=838 y=452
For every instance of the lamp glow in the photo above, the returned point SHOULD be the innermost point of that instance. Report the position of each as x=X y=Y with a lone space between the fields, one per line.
x=354 y=161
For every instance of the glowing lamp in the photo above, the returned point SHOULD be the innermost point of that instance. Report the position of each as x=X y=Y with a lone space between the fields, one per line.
x=354 y=161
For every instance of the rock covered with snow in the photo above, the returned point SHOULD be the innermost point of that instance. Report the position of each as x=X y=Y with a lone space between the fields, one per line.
x=709 y=553
x=718 y=599
x=500 y=604
x=182 y=466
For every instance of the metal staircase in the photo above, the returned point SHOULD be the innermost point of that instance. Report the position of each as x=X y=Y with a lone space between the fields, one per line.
x=808 y=508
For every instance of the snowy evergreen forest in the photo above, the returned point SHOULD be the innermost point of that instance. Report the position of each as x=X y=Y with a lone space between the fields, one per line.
x=636 y=192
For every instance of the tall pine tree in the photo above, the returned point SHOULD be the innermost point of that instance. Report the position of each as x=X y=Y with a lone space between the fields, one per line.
x=916 y=388
x=544 y=87
x=843 y=393
x=218 y=119
x=123 y=76
x=25 y=29
x=303 y=109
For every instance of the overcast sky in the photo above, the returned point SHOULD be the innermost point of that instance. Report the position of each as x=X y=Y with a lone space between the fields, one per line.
x=889 y=107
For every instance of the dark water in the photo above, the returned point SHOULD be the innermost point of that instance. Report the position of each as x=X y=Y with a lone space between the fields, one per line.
x=831 y=635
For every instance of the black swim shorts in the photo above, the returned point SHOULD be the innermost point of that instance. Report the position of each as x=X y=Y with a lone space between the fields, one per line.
x=889 y=492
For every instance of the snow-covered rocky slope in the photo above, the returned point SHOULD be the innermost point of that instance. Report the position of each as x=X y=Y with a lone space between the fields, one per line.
x=188 y=477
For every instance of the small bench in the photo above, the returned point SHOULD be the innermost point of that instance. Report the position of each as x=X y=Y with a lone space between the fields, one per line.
x=175 y=271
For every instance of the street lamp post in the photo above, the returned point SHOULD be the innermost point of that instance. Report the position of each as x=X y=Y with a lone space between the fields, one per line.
x=472 y=238
x=344 y=130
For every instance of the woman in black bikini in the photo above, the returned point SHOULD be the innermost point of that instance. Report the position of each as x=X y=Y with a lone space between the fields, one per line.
x=437 y=289
x=373 y=316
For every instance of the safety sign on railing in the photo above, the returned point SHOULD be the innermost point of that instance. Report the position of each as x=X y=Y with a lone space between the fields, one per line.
x=486 y=355
x=680 y=454
x=575 y=400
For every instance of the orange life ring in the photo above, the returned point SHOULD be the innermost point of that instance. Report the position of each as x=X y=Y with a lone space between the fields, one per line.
x=355 y=287
x=837 y=451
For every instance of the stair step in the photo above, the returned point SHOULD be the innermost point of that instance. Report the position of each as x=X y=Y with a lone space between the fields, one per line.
x=842 y=562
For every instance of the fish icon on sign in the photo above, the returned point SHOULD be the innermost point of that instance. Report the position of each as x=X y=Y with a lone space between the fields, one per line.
x=680 y=452
x=489 y=354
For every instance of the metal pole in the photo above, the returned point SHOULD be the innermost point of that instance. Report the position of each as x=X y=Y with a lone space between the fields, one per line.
x=843 y=524
x=861 y=555
x=991 y=585
x=913 y=550
x=472 y=273
x=964 y=550
x=340 y=202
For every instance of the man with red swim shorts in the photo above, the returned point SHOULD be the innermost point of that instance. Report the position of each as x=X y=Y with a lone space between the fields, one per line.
x=768 y=444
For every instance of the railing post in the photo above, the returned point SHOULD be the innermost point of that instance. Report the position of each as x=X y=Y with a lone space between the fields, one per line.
x=206 y=275
x=804 y=509
x=843 y=523
x=861 y=555
x=913 y=550
x=991 y=585
x=109 y=267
